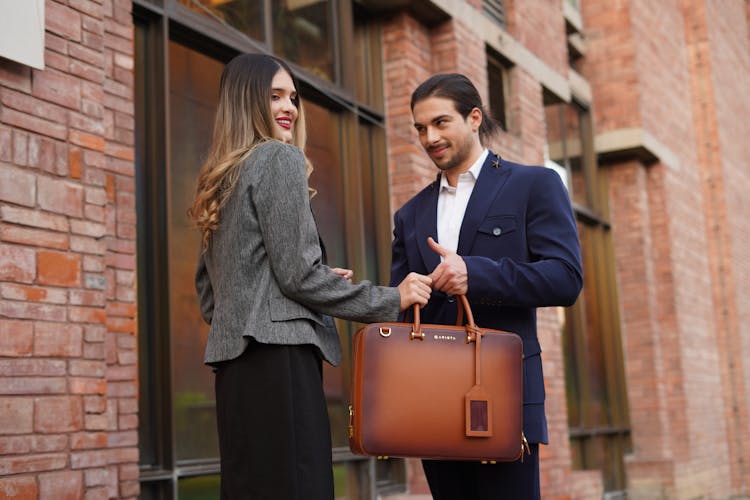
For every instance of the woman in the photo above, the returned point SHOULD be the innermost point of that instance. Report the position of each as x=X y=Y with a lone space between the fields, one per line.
x=264 y=290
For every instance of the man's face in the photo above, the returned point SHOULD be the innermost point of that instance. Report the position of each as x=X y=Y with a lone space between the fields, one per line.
x=450 y=140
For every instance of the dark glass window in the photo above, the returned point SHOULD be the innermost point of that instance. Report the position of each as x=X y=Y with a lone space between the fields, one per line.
x=499 y=87
x=594 y=375
x=179 y=55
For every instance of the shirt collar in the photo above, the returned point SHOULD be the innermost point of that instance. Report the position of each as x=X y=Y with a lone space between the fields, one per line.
x=474 y=170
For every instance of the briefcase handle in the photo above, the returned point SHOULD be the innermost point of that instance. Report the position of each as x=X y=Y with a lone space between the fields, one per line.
x=463 y=306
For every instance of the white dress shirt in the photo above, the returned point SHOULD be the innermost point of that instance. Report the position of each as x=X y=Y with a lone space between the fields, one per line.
x=452 y=202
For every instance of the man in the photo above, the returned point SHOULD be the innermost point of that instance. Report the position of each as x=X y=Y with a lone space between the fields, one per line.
x=504 y=235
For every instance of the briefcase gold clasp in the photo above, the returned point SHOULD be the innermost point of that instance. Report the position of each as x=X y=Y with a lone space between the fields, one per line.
x=385 y=331
x=416 y=335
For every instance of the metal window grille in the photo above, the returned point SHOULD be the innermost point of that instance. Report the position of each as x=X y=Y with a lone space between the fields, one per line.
x=495 y=10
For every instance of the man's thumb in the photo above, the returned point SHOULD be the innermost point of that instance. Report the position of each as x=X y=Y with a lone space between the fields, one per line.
x=436 y=248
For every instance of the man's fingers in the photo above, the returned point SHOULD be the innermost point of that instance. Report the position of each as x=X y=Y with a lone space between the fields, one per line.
x=435 y=247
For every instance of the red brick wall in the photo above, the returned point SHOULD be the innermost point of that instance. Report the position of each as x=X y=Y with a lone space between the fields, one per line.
x=719 y=61
x=68 y=388
x=672 y=239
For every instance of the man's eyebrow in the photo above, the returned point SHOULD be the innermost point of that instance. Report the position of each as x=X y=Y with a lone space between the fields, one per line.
x=437 y=118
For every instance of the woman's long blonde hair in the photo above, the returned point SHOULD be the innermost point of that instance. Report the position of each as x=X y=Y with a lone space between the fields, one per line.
x=243 y=121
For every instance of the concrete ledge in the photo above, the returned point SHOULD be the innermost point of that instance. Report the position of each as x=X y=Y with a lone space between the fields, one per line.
x=629 y=143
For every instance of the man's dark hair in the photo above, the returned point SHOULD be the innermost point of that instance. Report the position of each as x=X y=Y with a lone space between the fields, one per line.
x=462 y=92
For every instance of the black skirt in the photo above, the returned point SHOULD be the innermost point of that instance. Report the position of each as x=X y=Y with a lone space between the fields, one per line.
x=274 y=433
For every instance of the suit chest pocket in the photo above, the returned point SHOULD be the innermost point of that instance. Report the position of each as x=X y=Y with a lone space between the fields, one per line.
x=497 y=236
x=497 y=226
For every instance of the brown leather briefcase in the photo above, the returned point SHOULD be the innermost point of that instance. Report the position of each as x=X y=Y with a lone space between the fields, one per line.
x=437 y=391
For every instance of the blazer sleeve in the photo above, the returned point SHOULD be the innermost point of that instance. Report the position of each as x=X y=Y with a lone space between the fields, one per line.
x=280 y=196
x=399 y=262
x=553 y=275
x=204 y=289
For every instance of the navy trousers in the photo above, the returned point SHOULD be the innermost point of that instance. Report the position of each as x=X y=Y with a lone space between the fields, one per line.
x=476 y=481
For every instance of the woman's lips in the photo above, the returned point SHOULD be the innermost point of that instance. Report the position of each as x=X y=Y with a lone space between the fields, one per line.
x=284 y=123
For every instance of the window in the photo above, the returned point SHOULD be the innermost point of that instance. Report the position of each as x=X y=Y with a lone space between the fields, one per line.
x=300 y=31
x=180 y=49
x=594 y=373
x=499 y=87
x=495 y=10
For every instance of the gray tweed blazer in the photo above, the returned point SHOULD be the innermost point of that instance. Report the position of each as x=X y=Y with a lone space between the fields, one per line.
x=262 y=276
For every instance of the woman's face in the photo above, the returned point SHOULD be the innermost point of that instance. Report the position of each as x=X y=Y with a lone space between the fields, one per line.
x=283 y=106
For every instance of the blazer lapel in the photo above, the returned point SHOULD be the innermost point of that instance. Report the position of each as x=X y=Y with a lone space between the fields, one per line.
x=491 y=180
x=426 y=226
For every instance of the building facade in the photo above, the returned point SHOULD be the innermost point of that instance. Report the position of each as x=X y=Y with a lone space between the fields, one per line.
x=638 y=105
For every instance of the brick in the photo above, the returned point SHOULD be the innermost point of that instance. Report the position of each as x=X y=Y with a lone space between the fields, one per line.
x=20 y=141
x=15 y=75
x=87 y=298
x=87 y=245
x=32 y=385
x=97 y=477
x=94 y=213
x=26 y=236
x=89 y=141
x=16 y=415
x=30 y=310
x=14 y=445
x=94 y=281
x=88 y=368
x=32 y=124
x=88 y=459
x=67 y=485
x=125 y=438
x=58 y=269
x=86 y=54
x=6 y=145
x=94 y=404
x=58 y=339
x=86 y=123
x=34 y=218
x=97 y=494
x=122 y=389
x=127 y=405
x=33 y=293
x=26 y=103
x=58 y=88
x=60 y=196
x=92 y=27
x=127 y=357
x=63 y=21
x=17 y=186
x=87 y=314
x=87 y=228
x=121 y=325
x=88 y=440
x=87 y=385
x=58 y=414
x=74 y=162
x=45 y=443
x=42 y=154
x=18 y=488
x=16 y=338
x=31 y=367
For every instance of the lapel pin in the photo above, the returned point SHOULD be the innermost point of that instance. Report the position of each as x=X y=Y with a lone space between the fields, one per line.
x=496 y=162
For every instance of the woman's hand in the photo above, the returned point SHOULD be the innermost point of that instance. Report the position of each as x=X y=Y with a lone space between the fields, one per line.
x=347 y=274
x=415 y=289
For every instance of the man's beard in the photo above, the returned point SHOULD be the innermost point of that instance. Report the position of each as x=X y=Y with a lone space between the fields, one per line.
x=461 y=153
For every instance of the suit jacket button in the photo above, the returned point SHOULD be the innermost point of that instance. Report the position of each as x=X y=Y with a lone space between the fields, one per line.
x=451 y=299
x=497 y=231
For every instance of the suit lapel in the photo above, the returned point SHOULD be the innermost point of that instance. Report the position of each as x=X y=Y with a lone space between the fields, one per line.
x=491 y=180
x=426 y=225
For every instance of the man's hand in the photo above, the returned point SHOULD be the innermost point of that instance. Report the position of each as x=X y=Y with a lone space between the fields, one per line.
x=347 y=274
x=450 y=276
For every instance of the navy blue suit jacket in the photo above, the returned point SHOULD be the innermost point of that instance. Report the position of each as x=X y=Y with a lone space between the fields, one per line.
x=520 y=244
